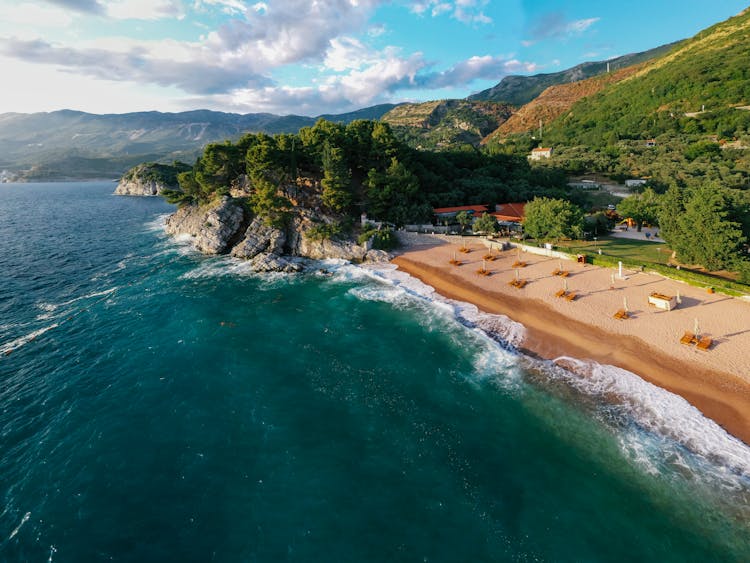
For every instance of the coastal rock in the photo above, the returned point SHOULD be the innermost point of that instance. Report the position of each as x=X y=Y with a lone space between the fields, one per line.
x=214 y=227
x=377 y=256
x=260 y=238
x=331 y=249
x=268 y=262
x=225 y=227
x=149 y=179
x=139 y=187
x=300 y=243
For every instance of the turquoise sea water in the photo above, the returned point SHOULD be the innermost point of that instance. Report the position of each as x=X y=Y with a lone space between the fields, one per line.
x=159 y=405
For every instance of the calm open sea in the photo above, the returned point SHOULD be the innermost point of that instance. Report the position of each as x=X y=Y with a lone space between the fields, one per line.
x=159 y=405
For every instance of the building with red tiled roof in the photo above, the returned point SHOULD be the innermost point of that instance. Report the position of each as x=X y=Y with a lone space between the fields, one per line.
x=509 y=212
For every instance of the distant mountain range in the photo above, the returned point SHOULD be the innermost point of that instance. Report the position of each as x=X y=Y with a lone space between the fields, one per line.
x=73 y=144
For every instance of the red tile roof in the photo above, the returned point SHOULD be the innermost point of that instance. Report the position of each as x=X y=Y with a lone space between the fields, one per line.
x=474 y=208
x=511 y=212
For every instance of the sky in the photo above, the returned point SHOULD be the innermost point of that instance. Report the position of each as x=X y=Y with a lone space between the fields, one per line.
x=310 y=57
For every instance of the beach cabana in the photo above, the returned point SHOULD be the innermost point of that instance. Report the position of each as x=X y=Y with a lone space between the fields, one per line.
x=661 y=301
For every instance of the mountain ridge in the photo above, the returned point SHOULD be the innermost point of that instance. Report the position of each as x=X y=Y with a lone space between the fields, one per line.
x=519 y=90
x=44 y=145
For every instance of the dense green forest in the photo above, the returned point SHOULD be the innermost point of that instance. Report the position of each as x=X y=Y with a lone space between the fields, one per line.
x=361 y=167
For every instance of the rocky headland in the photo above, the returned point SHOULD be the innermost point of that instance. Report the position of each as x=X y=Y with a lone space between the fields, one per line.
x=227 y=226
x=150 y=179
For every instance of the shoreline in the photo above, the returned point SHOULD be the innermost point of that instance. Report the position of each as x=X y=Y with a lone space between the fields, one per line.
x=718 y=393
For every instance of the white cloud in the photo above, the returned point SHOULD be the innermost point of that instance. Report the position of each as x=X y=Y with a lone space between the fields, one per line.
x=231 y=6
x=144 y=9
x=30 y=14
x=33 y=84
x=579 y=26
x=465 y=11
x=475 y=68
x=554 y=25
x=376 y=30
x=346 y=53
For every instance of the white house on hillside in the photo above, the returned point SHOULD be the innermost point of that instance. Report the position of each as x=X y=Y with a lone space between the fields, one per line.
x=540 y=152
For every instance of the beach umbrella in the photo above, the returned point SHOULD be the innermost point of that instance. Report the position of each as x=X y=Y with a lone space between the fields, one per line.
x=612 y=277
x=565 y=284
x=696 y=328
x=625 y=303
x=483 y=266
x=679 y=299
x=559 y=265
x=518 y=274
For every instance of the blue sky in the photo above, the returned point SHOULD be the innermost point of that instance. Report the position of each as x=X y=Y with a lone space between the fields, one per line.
x=313 y=56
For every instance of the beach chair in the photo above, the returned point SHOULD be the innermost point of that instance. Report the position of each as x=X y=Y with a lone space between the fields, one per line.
x=687 y=338
x=560 y=293
x=556 y=272
x=622 y=314
x=704 y=343
x=519 y=264
x=521 y=284
x=564 y=273
x=571 y=296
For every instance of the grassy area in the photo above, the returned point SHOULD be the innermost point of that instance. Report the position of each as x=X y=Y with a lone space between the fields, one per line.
x=651 y=255
x=632 y=250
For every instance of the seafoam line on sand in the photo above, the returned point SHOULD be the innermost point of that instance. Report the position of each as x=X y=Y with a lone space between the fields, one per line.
x=656 y=428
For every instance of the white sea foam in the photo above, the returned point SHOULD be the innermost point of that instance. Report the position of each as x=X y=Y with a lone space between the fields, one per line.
x=674 y=425
x=14 y=345
x=498 y=327
x=157 y=224
x=52 y=307
x=657 y=429
x=17 y=528
x=222 y=266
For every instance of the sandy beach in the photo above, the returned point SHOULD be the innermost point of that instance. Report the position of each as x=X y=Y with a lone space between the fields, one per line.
x=647 y=343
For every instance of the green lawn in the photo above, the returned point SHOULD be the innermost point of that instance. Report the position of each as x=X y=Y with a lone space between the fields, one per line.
x=630 y=249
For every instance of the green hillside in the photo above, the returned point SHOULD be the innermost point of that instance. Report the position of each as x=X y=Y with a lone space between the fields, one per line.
x=711 y=71
x=520 y=90
x=446 y=123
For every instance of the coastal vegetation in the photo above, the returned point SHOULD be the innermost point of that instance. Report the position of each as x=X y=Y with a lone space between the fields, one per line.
x=362 y=167
x=550 y=219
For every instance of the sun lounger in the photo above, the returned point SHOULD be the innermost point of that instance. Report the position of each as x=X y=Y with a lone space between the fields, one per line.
x=622 y=314
x=560 y=293
x=704 y=343
x=521 y=284
x=518 y=264
x=688 y=338
x=564 y=273
x=556 y=272
x=571 y=296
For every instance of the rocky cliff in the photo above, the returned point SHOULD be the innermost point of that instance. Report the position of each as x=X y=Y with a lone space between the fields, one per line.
x=139 y=187
x=227 y=227
x=150 y=179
